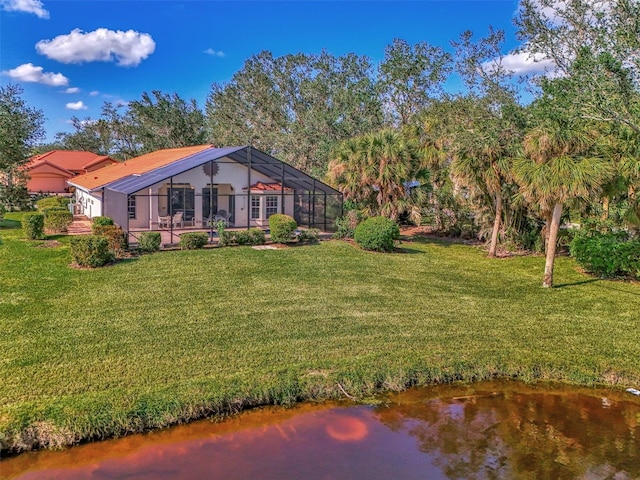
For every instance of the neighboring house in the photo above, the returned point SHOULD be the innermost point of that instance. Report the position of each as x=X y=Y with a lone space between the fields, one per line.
x=192 y=187
x=49 y=172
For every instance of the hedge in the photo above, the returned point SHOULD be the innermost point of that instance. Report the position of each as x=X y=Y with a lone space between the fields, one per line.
x=149 y=242
x=57 y=219
x=33 y=225
x=115 y=236
x=193 y=241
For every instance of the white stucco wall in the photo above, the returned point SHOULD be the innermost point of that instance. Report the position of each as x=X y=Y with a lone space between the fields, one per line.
x=91 y=202
x=231 y=179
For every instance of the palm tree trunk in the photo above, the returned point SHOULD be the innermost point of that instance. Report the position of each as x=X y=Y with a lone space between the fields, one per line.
x=551 y=245
x=496 y=226
x=605 y=208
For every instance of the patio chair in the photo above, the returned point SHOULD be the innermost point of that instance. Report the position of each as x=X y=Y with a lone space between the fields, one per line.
x=222 y=215
x=164 y=221
x=177 y=219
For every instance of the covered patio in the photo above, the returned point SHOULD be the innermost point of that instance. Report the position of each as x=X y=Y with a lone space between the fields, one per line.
x=240 y=186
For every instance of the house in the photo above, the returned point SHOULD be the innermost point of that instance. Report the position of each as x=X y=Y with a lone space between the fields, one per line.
x=49 y=172
x=192 y=187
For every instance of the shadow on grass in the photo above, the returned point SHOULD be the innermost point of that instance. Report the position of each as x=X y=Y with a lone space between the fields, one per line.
x=582 y=282
x=443 y=242
x=10 y=224
x=407 y=251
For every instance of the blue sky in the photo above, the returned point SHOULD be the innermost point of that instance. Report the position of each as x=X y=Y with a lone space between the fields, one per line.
x=71 y=56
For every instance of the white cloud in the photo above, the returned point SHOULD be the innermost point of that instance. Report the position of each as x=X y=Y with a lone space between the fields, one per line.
x=524 y=63
x=94 y=93
x=127 y=48
x=28 y=72
x=28 y=6
x=215 y=53
x=72 y=90
x=76 y=105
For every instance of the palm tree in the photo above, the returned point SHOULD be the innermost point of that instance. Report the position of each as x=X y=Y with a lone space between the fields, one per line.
x=376 y=168
x=560 y=162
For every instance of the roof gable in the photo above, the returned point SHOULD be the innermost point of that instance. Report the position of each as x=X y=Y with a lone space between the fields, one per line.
x=71 y=160
x=135 y=167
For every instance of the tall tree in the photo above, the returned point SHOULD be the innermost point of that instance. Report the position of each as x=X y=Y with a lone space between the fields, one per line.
x=296 y=107
x=562 y=160
x=21 y=127
x=410 y=78
x=593 y=46
x=378 y=167
x=486 y=123
x=163 y=120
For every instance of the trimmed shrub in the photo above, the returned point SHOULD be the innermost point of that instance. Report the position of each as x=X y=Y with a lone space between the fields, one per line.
x=282 y=228
x=33 y=225
x=57 y=219
x=346 y=226
x=101 y=222
x=90 y=250
x=53 y=202
x=149 y=242
x=193 y=240
x=115 y=237
x=607 y=255
x=253 y=236
x=256 y=236
x=377 y=233
x=308 y=236
x=3 y=210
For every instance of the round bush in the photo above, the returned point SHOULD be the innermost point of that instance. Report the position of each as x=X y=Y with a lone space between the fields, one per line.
x=282 y=228
x=149 y=242
x=33 y=225
x=90 y=250
x=377 y=233
x=115 y=236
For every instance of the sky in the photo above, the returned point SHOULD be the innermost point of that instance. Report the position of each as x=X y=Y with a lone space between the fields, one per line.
x=72 y=56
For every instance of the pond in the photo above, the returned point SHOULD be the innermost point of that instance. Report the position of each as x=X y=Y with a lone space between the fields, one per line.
x=484 y=430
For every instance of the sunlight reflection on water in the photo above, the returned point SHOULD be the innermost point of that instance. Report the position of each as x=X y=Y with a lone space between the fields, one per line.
x=487 y=430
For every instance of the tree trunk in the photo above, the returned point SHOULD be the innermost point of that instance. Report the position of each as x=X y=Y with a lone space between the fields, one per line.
x=496 y=226
x=605 y=208
x=551 y=245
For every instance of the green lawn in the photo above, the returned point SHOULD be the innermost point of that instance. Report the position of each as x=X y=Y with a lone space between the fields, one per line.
x=176 y=335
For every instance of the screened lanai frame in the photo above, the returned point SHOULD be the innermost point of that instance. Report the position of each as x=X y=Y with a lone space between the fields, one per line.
x=311 y=202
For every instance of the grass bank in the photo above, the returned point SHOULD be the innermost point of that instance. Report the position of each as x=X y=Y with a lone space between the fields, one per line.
x=178 y=335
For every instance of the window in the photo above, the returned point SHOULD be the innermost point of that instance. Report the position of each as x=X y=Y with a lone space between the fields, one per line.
x=255 y=207
x=182 y=199
x=131 y=207
x=271 y=203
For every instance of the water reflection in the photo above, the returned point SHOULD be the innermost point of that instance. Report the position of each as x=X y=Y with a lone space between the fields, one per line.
x=489 y=430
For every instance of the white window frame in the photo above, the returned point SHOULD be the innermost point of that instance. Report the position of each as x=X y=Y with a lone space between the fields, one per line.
x=274 y=208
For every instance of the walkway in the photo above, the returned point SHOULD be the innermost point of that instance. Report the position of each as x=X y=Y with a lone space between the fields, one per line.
x=81 y=225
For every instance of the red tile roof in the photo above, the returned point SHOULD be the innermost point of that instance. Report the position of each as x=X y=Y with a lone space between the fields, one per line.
x=135 y=166
x=71 y=160
x=265 y=187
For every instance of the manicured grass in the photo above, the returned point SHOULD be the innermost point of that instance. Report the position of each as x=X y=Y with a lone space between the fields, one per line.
x=176 y=335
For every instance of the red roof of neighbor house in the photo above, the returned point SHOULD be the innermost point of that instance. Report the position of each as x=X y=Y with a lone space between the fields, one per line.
x=268 y=186
x=135 y=166
x=71 y=160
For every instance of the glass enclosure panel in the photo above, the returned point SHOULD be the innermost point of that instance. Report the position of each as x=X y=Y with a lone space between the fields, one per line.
x=209 y=202
x=182 y=199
